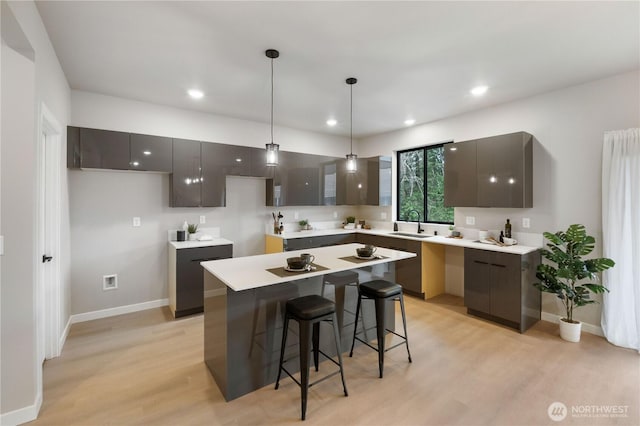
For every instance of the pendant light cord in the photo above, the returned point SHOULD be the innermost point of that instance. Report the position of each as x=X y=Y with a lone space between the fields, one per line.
x=271 y=100
x=351 y=121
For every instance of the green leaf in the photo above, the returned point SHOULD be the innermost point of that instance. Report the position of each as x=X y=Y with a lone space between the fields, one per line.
x=596 y=288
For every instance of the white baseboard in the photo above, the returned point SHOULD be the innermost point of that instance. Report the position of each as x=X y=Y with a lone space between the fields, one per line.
x=111 y=312
x=589 y=328
x=65 y=333
x=22 y=415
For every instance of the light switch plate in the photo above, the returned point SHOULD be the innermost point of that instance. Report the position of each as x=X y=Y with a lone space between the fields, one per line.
x=296 y=215
x=203 y=219
x=383 y=215
x=335 y=215
x=1 y=245
x=526 y=222
x=471 y=220
x=136 y=222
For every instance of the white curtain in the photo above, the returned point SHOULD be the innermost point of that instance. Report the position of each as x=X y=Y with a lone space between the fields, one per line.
x=621 y=236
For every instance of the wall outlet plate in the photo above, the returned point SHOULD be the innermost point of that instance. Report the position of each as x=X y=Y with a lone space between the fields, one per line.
x=383 y=215
x=203 y=219
x=471 y=220
x=136 y=222
x=526 y=222
x=296 y=216
x=335 y=215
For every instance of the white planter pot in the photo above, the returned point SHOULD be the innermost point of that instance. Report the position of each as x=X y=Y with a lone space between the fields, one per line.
x=192 y=237
x=569 y=331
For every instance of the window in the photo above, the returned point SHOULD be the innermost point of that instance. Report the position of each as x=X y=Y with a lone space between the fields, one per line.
x=421 y=185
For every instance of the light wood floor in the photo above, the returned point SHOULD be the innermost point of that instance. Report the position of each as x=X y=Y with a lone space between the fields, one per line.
x=146 y=368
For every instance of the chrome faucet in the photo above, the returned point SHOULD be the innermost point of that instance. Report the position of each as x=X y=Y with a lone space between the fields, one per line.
x=420 y=230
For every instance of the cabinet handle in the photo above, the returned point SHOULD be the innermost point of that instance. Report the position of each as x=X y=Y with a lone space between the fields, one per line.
x=499 y=266
x=482 y=263
x=206 y=260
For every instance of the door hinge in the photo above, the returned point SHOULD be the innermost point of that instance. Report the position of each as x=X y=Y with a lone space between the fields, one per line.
x=46 y=258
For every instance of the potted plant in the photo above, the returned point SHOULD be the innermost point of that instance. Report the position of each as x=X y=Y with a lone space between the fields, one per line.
x=351 y=222
x=192 y=228
x=304 y=224
x=566 y=272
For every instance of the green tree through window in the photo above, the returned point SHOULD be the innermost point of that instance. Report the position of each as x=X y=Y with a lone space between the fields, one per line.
x=421 y=186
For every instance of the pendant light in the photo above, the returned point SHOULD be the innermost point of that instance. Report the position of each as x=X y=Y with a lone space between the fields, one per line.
x=272 y=148
x=352 y=159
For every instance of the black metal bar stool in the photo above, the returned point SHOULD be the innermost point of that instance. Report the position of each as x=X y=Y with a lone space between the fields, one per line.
x=380 y=292
x=309 y=311
x=340 y=280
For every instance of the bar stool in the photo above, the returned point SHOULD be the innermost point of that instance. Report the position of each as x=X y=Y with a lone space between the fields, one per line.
x=309 y=311
x=380 y=292
x=340 y=281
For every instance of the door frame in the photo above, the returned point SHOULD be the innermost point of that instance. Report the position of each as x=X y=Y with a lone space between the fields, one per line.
x=48 y=296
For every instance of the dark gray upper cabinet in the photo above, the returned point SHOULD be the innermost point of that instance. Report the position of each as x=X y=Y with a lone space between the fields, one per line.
x=185 y=180
x=73 y=147
x=104 y=149
x=379 y=181
x=303 y=180
x=150 y=153
x=351 y=188
x=217 y=161
x=460 y=177
x=491 y=172
x=504 y=167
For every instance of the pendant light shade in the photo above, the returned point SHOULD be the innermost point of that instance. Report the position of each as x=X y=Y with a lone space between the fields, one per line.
x=352 y=159
x=272 y=148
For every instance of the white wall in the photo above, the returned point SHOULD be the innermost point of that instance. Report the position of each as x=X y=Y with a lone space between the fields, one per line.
x=24 y=90
x=103 y=203
x=569 y=125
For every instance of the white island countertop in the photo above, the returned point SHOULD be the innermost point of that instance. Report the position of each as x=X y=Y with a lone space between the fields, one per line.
x=195 y=244
x=249 y=272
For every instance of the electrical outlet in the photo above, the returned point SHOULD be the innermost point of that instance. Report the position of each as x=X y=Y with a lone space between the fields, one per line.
x=383 y=215
x=136 y=222
x=526 y=222
x=296 y=216
x=471 y=220
x=335 y=215
x=109 y=282
x=203 y=219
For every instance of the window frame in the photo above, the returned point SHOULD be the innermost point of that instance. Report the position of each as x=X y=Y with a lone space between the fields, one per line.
x=423 y=148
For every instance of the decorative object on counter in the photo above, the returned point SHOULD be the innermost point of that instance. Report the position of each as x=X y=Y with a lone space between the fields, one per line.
x=272 y=148
x=304 y=225
x=454 y=233
x=501 y=239
x=568 y=269
x=185 y=226
x=483 y=235
x=351 y=222
x=277 y=225
x=507 y=229
x=352 y=159
x=192 y=229
x=509 y=241
x=308 y=258
x=395 y=226
x=180 y=235
x=366 y=251
x=296 y=263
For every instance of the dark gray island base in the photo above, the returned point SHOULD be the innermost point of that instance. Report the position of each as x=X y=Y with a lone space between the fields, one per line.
x=243 y=329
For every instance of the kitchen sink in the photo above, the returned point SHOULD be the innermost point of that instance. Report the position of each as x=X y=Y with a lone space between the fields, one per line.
x=406 y=234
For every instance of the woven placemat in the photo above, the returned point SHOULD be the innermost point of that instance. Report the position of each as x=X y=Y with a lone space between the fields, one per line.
x=283 y=273
x=355 y=259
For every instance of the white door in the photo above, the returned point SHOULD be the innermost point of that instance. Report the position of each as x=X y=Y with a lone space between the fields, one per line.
x=48 y=299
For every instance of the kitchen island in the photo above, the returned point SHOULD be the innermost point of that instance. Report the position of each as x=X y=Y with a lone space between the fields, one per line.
x=244 y=302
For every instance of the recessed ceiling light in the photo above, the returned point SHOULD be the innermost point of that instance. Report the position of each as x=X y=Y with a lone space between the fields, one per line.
x=195 y=94
x=479 y=90
x=409 y=122
x=332 y=122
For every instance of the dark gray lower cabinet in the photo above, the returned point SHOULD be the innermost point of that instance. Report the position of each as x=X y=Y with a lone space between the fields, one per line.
x=408 y=271
x=323 y=241
x=189 y=277
x=499 y=287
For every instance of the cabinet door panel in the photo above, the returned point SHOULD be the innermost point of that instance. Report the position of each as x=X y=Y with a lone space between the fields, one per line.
x=477 y=280
x=73 y=147
x=409 y=271
x=185 y=179
x=505 y=288
x=104 y=149
x=216 y=161
x=460 y=189
x=151 y=153
x=500 y=171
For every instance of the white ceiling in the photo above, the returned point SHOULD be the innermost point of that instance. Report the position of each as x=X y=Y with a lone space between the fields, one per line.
x=412 y=59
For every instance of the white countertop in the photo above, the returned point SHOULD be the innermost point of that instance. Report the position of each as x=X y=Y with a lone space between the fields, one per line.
x=195 y=244
x=437 y=239
x=245 y=273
